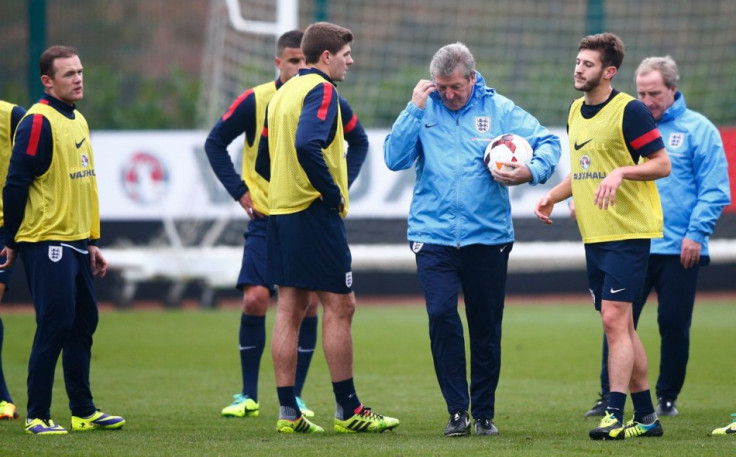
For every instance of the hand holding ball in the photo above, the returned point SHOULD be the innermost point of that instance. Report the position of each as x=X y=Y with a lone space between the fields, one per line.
x=507 y=148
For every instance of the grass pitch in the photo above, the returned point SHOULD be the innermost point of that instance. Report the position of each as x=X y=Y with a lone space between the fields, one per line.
x=170 y=372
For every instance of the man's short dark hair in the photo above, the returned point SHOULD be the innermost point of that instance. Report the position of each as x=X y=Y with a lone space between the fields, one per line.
x=324 y=36
x=46 y=62
x=290 y=39
x=610 y=46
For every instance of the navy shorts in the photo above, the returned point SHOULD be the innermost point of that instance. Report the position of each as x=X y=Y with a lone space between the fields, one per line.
x=617 y=270
x=253 y=265
x=7 y=273
x=309 y=250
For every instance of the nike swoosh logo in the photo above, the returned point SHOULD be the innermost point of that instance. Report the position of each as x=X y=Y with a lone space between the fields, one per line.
x=503 y=248
x=429 y=126
x=245 y=348
x=300 y=349
x=79 y=145
x=578 y=146
x=615 y=291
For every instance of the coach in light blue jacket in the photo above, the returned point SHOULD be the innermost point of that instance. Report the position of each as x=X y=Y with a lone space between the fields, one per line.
x=460 y=224
x=693 y=197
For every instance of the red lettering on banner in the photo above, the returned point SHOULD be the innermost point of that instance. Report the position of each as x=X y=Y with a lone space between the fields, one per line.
x=728 y=134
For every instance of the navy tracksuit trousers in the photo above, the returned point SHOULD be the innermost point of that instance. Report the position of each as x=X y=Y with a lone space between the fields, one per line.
x=480 y=272
x=675 y=287
x=60 y=280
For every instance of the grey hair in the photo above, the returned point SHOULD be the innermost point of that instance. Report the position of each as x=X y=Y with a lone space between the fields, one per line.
x=452 y=57
x=666 y=66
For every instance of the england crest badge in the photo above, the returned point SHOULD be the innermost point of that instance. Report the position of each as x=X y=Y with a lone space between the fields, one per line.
x=55 y=253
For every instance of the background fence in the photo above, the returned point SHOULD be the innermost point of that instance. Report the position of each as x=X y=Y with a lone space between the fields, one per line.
x=178 y=64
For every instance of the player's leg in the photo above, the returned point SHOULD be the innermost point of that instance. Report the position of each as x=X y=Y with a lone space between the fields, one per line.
x=645 y=422
x=292 y=304
x=289 y=250
x=325 y=266
x=77 y=352
x=483 y=276
x=337 y=339
x=599 y=406
x=7 y=407
x=351 y=416
x=51 y=284
x=305 y=351
x=617 y=319
x=676 y=293
x=77 y=355
x=616 y=272
x=8 y=410
x=252 y=331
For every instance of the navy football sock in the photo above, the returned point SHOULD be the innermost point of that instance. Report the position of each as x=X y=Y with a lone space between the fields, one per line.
x=252 y=341
x=643 y=406
x=287 y=401
x=307 y=343
x=616 y=403
x=4 y=394
x=346 y=398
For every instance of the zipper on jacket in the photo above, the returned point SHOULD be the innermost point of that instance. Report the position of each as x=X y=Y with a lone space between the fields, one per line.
x=458 y=179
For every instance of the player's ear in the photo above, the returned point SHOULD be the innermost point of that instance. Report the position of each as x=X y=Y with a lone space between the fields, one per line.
x=47 y=81
x=610 y=72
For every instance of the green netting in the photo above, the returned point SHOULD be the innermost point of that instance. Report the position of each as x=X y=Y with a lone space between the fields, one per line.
x=174 y=64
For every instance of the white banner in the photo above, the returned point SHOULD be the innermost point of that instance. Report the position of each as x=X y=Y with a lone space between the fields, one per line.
x=166 y=175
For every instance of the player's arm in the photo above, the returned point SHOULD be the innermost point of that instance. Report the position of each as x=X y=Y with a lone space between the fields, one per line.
x=316 y=129
x=402 y=146
x=238 y=119
x=545 y=145
x=263 y=157
x=15 y=116
x=31 y=157
x=357 y=140
x=545 y=205
x=642 y=139
x=710 y=173
x=710 y=170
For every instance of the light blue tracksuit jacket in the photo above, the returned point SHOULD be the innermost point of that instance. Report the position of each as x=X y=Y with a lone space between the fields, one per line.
x=697 y=189
x=455 y=201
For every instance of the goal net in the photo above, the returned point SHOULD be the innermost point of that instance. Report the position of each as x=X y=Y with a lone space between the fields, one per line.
x=524 y=48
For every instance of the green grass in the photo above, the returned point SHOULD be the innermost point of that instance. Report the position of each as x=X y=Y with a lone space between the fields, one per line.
x=170 y=372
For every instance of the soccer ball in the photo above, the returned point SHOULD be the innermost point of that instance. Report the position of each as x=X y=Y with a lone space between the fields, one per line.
x=507 y=148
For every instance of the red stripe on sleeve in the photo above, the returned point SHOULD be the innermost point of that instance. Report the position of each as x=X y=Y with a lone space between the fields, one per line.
x=351 y=125
x=236 y=103
x=35 y=135
x=645 y=139
x=264 y=132
x=326 y=98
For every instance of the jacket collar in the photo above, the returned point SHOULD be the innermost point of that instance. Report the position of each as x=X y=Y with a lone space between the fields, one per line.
x=677 y=108
x=306 y=71
x=58 y=105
